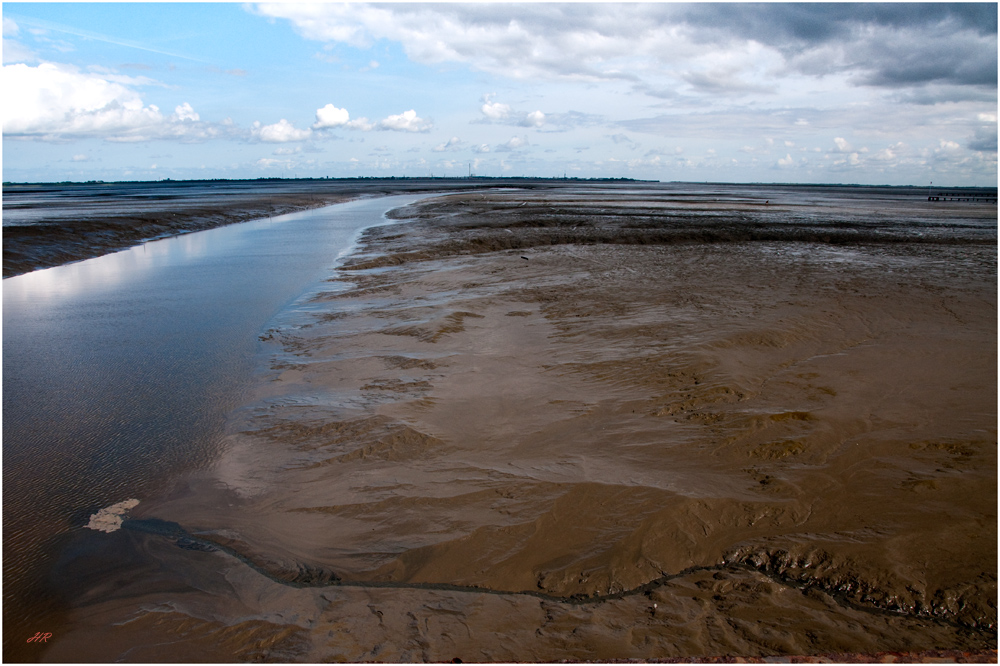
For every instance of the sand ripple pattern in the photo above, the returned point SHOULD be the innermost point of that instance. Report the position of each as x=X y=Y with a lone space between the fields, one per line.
x=595 y=424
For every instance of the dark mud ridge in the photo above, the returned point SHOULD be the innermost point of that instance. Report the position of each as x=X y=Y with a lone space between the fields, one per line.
x=924 y=657
x=462 y=225
x=811 y=571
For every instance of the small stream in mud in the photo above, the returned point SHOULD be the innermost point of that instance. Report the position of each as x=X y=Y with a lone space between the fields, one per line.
x=119 y=373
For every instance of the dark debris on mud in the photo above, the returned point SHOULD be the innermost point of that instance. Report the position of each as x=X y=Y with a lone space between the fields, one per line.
x=922 y=657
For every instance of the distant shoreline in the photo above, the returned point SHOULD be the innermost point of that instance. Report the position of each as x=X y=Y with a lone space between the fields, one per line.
x=109 y=217
x=51 y=224
x=489 y=179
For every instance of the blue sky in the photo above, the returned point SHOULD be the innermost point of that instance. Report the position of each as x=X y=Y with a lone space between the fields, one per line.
x=870 y=93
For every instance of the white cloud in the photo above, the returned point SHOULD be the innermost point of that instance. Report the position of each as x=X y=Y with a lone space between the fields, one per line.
x=534 y=119
x=54 y=101
x=495 y=110
x=13 y=50
x=709 y=45
x=647 y=161
x=482 y=148
x=280 y=132
x=514 y=143
x=543 y=40
x=268 y=162
x=57 y=102
x=185 y=112
x=451 y=144
x=81 y=158
x=842 y=145
x=362 y=124
x=331 y=116
x=405 y=122
x=787 y=160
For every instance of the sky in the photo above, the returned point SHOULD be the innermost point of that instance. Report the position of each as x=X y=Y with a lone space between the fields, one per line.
x=898 y=94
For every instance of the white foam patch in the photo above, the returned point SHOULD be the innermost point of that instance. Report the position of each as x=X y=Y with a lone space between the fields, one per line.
x=110 y=518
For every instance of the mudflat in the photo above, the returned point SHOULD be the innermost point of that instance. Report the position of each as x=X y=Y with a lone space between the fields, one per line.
x=598 y=423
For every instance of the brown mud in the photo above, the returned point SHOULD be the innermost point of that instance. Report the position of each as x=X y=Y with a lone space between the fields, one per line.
x=540 y=427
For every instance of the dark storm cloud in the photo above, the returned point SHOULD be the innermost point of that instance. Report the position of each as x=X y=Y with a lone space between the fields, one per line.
x=903 y=63
x=792 y=26
x=985 y=139
x=887 y=45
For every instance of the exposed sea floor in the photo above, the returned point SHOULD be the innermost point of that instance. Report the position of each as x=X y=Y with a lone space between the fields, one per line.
x=636 y=422
x=120 y=371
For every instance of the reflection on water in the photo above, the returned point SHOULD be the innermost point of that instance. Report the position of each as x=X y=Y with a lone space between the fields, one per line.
x=136 y=263
x=119 y=371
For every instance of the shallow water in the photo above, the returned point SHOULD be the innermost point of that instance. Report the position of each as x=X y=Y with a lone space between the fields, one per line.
x=119 y=371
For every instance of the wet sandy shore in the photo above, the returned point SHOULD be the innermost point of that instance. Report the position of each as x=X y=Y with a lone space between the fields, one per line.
x=595 y=426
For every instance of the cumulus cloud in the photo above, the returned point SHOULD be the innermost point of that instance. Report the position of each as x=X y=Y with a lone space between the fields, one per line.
x=330 y=116
x=497 y=112
x=891 y=154
x=280 y=132
x=53 y=100
x=185 y=112
x=408 y=121
x=362 y=124
x=494 y=110
x=533 y=119
x=481 y=148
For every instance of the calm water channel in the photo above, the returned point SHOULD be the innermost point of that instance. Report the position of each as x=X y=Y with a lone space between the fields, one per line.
x=118 y=373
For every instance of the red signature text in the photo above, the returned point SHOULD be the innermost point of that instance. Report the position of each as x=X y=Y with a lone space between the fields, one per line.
x=40 y=638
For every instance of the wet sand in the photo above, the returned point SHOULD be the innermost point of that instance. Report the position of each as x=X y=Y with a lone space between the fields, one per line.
x=590 y=426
